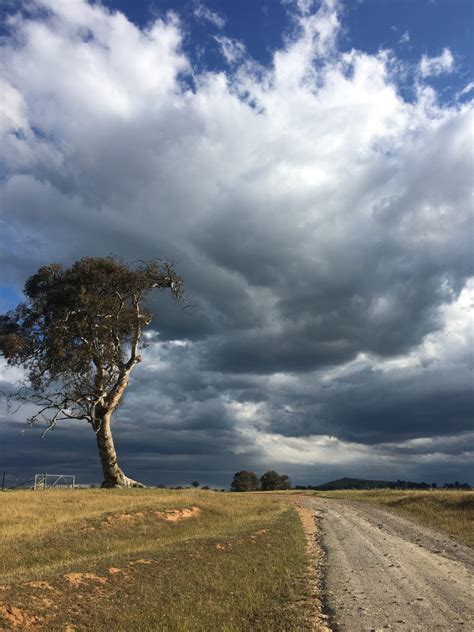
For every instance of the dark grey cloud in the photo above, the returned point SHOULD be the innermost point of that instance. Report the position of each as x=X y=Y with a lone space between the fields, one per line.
x=371 y=409
x=322 y=224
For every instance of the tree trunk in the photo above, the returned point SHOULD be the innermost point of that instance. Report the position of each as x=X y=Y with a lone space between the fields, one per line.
x=113 y=475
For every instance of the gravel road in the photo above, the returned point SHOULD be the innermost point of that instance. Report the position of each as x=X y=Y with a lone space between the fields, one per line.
x=383 y=572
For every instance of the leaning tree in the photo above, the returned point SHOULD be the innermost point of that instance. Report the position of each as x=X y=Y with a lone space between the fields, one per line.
x=77 y=336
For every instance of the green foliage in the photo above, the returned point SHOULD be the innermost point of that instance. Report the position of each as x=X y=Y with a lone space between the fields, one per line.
x=244 y=481
x=77 y=332
x=272 y=481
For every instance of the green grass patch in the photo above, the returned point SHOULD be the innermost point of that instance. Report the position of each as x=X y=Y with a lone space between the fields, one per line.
x=451 y=512
x=102 y=560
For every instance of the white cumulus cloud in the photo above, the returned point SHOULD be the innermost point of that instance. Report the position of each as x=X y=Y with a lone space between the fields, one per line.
x=434 y=66
x=321 y=221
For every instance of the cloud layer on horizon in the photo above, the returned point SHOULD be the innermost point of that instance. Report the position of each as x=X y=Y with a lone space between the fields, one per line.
x=322 y=223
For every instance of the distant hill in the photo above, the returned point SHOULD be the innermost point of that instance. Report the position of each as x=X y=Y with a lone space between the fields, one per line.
x=355 y=483
x=364 y=483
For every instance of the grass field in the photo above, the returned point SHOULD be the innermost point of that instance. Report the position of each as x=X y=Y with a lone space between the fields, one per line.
x=174 y=561
x=151 y=560
x=451 y=512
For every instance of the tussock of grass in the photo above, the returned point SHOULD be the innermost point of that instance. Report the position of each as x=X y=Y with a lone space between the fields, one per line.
x=239 y=564
x=449 y=511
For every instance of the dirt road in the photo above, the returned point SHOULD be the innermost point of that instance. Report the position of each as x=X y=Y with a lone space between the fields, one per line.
x=382 y=572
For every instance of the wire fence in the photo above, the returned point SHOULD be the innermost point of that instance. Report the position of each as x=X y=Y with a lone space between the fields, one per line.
x=12 y=482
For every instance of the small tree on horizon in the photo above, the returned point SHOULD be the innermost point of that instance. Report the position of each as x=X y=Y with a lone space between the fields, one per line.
x=77 y=337
x=271 y=481
x=244 y=481
x=195 y=484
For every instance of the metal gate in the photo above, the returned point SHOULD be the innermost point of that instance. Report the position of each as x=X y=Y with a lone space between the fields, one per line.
x=48 y=481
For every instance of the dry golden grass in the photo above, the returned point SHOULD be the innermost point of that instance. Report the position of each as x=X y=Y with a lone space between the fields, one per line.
x=150 y=560
x=451 y=512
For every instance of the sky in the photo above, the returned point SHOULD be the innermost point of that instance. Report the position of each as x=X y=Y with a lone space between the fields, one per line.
x=308 y=167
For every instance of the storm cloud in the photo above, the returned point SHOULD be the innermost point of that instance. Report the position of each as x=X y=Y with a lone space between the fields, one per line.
x=321 y=220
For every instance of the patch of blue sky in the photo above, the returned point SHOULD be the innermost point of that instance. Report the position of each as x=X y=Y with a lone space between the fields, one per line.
x=409 y=28
x=258 y=24
x=9 y=298
x=413 y=29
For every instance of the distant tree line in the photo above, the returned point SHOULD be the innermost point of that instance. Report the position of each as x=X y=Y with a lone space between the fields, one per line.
x=456 y=485
x=354 y=484
x=246 y=481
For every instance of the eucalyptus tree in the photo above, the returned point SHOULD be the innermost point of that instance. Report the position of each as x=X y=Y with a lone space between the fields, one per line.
x=244 y=481
x=271 y=481
x=77 y=336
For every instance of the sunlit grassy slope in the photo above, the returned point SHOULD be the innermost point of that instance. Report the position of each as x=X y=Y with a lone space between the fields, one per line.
x=451 y=512
x=129 y=560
